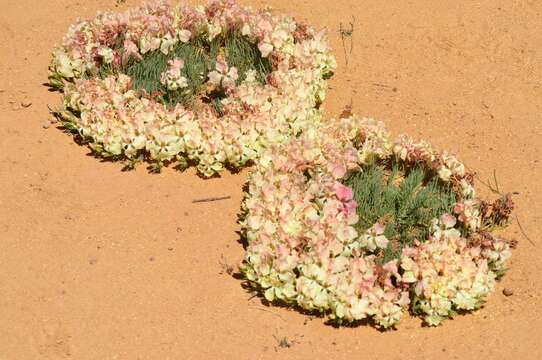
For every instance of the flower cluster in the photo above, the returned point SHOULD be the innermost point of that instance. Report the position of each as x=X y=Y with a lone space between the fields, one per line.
x=447 y=274
x=303 y=248
x=374 y=238
x=223 y=76
x=448 y=168
x=172 y=78
x=118 y=121
x=468 y=213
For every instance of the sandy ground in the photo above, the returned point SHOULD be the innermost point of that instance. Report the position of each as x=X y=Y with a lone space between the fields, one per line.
x=100 y=264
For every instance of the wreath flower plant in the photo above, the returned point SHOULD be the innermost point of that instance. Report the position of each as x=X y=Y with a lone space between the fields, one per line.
x=211 y=86
x=345 y=222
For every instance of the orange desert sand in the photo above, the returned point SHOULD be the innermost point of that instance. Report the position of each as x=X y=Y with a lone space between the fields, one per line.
x=96 y=263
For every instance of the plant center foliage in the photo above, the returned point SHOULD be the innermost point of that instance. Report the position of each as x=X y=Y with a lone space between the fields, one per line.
x=404 y=202
x=199 y=57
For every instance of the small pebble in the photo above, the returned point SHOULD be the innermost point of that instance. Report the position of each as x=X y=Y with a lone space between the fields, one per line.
x=508 y=292
x=26 y=103
x=46 y=125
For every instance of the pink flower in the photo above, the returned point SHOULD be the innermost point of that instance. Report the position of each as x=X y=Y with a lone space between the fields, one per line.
x=459 y=208
x=338 y=170
x=377 y=229
x=221 y=65
x=176 y=64
x=343 y=192
x=130 y=48
x=448 y=220
x=350 y=207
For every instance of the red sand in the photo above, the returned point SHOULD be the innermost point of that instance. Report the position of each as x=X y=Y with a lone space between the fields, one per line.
x=96 y=263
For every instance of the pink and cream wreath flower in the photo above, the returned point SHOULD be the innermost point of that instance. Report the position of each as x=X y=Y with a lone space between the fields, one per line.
x=118 y=121
x=302 y=247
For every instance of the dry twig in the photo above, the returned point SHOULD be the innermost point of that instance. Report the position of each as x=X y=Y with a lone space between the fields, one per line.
x=211 y=199
x=345 y=33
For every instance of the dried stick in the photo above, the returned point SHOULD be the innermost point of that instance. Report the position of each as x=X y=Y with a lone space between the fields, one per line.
x=211 y=199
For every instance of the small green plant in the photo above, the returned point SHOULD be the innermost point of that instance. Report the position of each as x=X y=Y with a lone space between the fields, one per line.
x=283 y=342
x=404 y=202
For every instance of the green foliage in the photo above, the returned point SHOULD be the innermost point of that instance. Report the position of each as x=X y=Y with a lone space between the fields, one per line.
x=199 y=57
x=146 y=73
x=404 y=201
x=245 y=56
x=55 y=82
